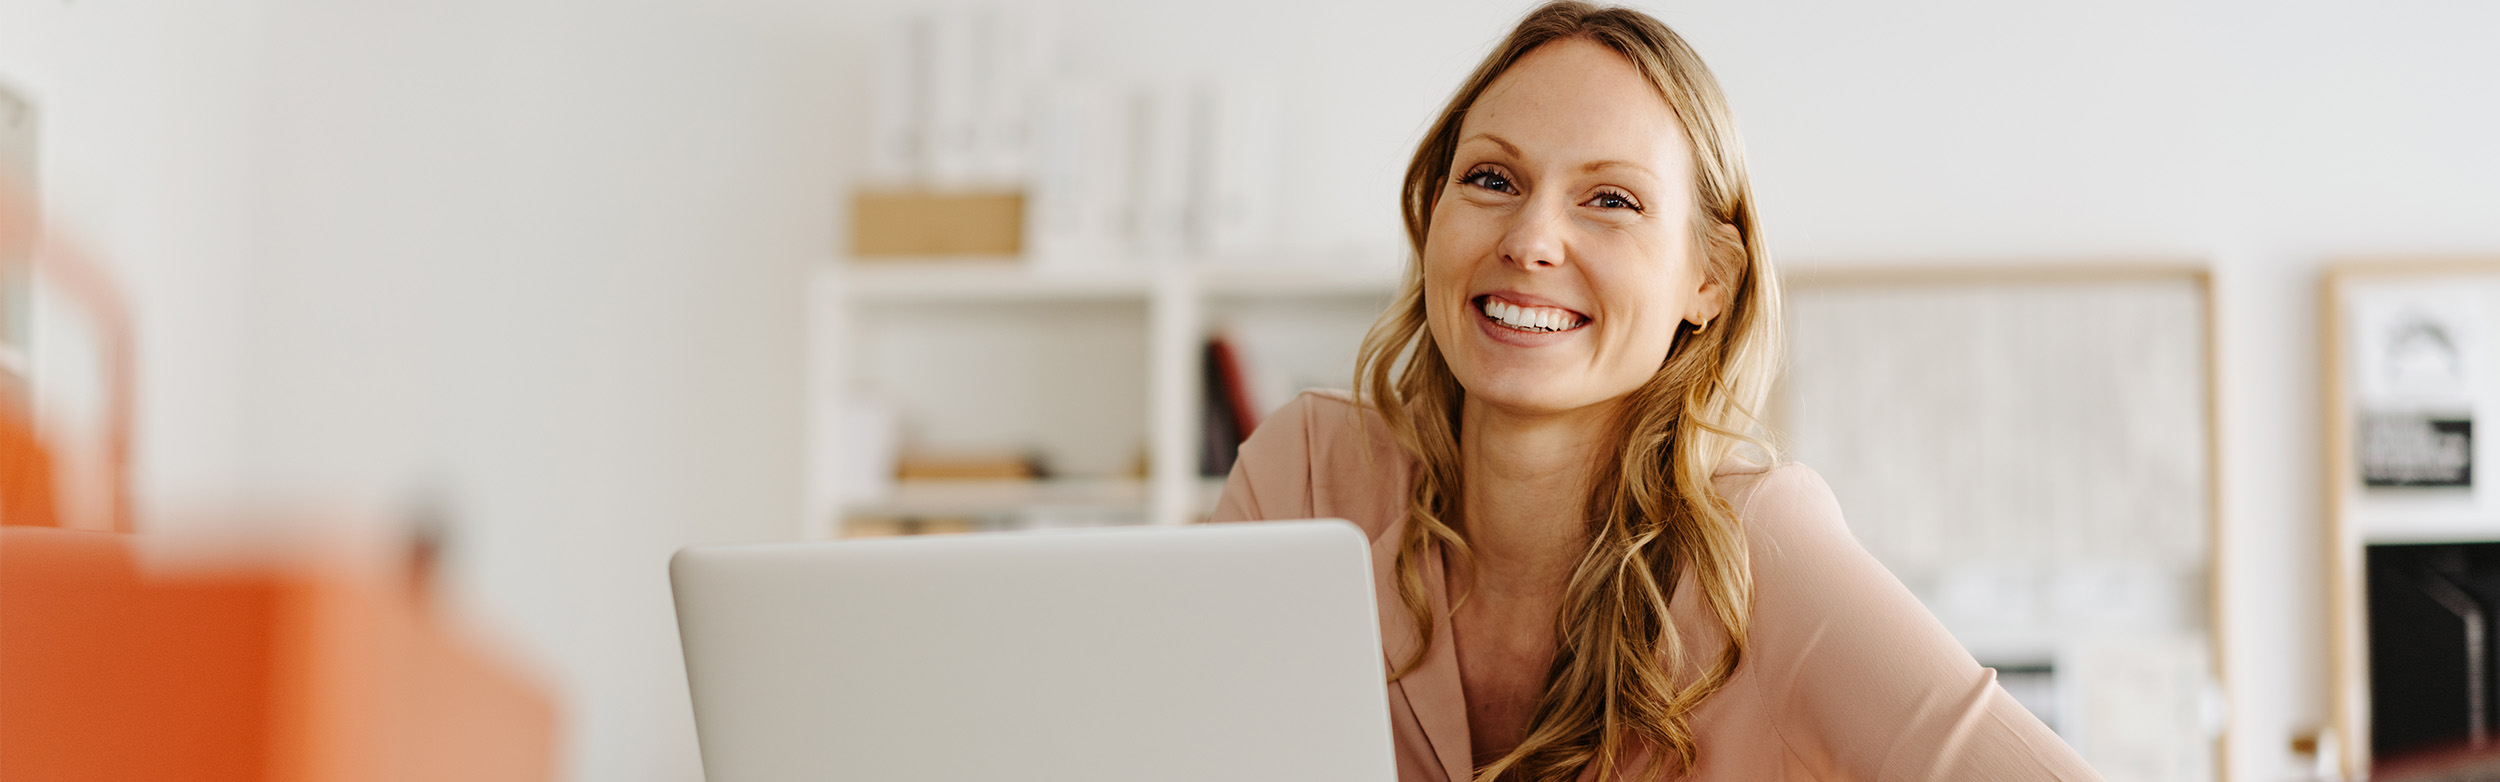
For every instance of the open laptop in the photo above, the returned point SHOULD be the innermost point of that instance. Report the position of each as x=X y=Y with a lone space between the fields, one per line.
x=1217 y=652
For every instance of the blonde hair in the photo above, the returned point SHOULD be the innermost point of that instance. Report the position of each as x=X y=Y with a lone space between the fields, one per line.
x=1654 y=513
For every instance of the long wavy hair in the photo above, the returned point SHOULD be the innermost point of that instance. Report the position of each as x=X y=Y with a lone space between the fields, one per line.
x=1653 y=514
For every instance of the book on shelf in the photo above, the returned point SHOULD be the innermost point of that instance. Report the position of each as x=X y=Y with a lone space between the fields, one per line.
x=1229 y=412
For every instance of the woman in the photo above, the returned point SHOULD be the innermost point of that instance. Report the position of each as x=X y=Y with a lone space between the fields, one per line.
x=1579 y=579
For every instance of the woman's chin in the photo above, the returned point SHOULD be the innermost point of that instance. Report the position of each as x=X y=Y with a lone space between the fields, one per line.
x=1534 y=396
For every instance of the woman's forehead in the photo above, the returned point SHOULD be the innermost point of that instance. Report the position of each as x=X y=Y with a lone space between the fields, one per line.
x=1574 y=101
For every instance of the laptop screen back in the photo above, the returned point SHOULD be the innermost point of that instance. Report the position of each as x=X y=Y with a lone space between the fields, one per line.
x=1221 y=652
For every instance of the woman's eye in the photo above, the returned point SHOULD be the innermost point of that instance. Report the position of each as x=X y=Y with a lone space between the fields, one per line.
x=1614 y=200
x=1487 y=179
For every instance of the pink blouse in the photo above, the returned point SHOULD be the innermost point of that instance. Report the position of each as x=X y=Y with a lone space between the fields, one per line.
x=1846 y=676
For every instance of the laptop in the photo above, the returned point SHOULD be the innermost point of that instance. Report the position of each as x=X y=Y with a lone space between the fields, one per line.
x=1215 y=652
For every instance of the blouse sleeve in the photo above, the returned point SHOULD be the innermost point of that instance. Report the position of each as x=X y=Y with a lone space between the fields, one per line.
x=1271 y=477
x=1238 y=502
x=1867 y=683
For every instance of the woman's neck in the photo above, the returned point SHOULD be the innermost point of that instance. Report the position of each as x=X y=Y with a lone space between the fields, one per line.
x=1526 y=492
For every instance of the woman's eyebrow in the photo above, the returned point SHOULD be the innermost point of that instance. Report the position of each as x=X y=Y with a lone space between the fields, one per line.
x=1504 y=143
x=1594 y=166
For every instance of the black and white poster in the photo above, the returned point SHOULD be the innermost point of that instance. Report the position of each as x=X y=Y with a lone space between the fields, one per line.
x=2417 y=356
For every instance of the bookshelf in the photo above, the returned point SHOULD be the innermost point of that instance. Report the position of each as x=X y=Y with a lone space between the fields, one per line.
x=1096 y=370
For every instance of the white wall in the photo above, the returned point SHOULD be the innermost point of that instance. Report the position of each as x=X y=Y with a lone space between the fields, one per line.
x=545 y=257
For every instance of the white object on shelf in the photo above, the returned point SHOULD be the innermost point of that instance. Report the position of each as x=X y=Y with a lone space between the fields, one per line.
x=1076 y=207
x=1163 y=181
x=1239 y=160
x=1017 y=49
x=894 y=136
x=951 y=109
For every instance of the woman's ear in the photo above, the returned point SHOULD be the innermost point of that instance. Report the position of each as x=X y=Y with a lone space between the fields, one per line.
x=1722 y=264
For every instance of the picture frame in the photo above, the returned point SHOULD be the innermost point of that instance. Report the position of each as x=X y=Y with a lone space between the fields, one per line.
x=2408 y=357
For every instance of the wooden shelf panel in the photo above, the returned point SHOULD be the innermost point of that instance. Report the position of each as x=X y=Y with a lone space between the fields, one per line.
x=1007 y=279
x=1003 y=497
x=1293 y=282
x=987 y=280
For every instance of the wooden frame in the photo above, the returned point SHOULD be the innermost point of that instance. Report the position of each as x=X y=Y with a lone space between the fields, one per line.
x=2086 y=271
x=2348 y=678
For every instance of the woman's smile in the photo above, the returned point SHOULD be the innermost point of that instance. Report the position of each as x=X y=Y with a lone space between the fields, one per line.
x=1527 y=321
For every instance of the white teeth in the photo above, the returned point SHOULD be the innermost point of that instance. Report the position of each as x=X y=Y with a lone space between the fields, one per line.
x=1530 y=319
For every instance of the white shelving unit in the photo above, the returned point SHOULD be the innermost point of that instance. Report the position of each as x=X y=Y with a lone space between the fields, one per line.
x=1083 y=365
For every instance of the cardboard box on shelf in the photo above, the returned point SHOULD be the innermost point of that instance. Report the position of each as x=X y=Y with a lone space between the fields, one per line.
x=976 y=466
x=894 y=224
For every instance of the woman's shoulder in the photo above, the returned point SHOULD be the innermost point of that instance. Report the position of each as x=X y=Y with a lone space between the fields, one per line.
x=1326 y=411
x=1316 y=424
x=1779 y=504
x=1738 y=477
x=1322 y=455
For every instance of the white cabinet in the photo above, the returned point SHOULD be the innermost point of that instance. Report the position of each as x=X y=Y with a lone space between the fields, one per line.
x=1098 y=372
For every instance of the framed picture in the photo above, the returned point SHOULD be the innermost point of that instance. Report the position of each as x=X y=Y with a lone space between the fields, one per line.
x=2413 y=569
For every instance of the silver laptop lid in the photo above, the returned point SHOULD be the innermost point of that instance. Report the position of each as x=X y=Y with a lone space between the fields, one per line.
x=1219 y=652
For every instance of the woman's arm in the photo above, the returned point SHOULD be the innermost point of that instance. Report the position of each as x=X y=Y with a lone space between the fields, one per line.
x=1865 y=682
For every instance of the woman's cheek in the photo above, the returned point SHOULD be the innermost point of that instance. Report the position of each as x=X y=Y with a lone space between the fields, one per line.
x=1439 y=281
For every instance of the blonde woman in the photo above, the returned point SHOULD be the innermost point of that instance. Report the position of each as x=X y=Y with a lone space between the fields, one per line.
x=1580 y=577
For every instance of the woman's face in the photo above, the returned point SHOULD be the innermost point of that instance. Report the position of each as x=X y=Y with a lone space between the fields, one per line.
x=1561 y=257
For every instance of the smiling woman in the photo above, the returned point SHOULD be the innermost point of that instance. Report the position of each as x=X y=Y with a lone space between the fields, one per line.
x=1580 y=576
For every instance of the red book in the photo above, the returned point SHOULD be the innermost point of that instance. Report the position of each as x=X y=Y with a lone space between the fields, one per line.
x=1236 y=386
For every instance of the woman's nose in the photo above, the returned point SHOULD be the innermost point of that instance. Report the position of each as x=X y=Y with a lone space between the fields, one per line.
x=1534 y=237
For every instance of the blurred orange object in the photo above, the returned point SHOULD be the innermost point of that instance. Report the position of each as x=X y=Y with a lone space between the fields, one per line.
x=305 y=664
x=295 y=673
x=25 y=475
